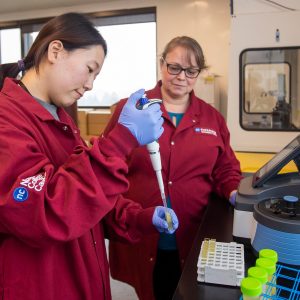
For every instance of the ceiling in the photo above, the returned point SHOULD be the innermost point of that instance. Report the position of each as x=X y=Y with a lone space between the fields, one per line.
x=10 y=6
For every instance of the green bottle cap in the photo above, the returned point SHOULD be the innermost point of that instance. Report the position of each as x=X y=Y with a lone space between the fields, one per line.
x=269 y=253
x=258 y=273
x=267 y=264
x=251 y=287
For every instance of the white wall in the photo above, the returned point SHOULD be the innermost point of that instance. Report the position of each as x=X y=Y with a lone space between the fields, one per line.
x=207 y=21
x=254 y=26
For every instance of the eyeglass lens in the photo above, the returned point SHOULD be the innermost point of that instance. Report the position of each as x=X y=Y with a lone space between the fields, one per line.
x=176 y=69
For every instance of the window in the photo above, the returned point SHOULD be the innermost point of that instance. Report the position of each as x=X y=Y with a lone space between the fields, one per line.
x=270 y=89
x=10 y=43
x=130 y=63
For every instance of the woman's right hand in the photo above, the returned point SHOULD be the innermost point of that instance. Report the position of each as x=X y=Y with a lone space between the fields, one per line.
x=145 y=124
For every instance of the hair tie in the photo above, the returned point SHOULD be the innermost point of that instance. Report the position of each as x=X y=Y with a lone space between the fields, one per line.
x=21 y=65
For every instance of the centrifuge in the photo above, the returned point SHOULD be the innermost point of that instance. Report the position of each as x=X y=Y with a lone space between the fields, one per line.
x=267 y=209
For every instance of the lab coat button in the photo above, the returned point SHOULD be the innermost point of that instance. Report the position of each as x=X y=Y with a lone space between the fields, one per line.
x=170 y=183
x=172 y=143
x=65 y=128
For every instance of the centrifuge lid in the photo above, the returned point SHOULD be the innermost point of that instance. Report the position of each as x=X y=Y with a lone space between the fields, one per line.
x=277 y=214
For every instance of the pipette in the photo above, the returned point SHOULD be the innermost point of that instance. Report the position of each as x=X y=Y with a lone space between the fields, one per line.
x=153 y=149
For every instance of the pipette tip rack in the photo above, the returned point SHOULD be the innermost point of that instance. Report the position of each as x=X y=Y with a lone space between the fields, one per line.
x=221 y=263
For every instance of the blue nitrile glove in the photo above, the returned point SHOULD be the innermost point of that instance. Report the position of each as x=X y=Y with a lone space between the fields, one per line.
x=232 y=197
x=159 y=220
x=145 y=124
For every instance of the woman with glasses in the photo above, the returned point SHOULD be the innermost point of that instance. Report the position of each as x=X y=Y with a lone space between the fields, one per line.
x=197 y=160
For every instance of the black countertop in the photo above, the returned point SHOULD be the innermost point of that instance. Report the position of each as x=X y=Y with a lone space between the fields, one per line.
x=217 y=224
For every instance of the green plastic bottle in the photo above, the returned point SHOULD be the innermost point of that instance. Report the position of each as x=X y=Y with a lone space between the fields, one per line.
x=260 y=274
x=251 y=288
x=270 y=266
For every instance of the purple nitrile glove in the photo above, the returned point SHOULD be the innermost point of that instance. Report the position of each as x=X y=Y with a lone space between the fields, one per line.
x=232 y=198
x=145 y=124
x=160 y=222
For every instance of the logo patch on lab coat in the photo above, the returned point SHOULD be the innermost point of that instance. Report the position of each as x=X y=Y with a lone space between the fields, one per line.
x=205 y=131
x=20 y=194
x=35 y=182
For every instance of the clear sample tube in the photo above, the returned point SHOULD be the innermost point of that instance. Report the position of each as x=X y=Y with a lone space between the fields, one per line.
x=260 y=274
x=251 y=288
x=268 y=253
x=270 y=266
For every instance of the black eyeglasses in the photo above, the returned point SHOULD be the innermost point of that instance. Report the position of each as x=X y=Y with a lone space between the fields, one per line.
x=177 y=69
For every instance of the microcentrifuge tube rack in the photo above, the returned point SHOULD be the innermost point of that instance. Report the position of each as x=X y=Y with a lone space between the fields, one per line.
x=221 y=263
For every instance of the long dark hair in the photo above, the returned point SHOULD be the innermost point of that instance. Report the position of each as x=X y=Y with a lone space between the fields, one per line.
x=74 y=30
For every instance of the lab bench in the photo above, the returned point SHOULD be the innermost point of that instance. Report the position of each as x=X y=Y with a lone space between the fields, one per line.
x=217 y=224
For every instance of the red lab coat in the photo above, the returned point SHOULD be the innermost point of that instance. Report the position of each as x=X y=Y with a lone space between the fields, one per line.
x=196 y=161
x=54 y=191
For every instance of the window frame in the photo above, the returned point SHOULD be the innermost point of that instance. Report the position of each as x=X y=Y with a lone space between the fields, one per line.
x=242 y=66
x=99 y=18
x=30 y=25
